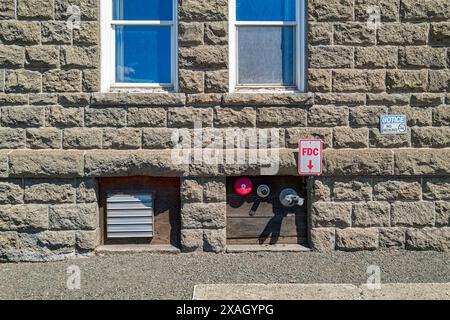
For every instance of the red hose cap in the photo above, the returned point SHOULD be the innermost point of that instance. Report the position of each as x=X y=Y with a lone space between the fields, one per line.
x=243 y=186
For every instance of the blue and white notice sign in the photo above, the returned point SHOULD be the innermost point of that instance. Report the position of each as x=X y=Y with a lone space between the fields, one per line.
x=393 y=124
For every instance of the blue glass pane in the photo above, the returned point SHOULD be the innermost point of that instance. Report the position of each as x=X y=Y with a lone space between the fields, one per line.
x=143 y=54
x=142 y=9
x=265 y=10
x=266 y=55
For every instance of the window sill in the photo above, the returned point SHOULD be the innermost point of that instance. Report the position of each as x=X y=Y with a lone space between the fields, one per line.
x=275 y=89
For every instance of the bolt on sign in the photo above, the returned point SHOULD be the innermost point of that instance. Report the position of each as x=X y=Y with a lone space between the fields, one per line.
x=310 y=157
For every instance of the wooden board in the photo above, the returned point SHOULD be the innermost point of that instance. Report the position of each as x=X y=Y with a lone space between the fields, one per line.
x=252 y=219
x=167 y=207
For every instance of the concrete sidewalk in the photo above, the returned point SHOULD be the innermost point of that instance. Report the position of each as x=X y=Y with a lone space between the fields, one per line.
x=390 y=291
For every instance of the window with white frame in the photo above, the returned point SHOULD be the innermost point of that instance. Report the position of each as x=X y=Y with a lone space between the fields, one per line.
x=139 y=44
x=267 y=44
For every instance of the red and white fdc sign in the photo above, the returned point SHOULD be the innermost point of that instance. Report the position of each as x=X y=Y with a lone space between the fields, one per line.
x=310 y=157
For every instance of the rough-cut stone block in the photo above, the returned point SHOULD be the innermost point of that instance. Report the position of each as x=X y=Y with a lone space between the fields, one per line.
x=191 y=240
x=61 y=81
x=190 y=34
x=12 y=138
x=7 y=9
x=358 y=80
x=414 y=116
x=82 y=138
x=267 y=99
x=214 y=240
x=87 y=191
x=412 y=214
x=202 y=215
x=385 y=99
x=323 y=239
x=12 y=56
x=4 y=163
x=281 y=117
x=87 y=240
x=378 y=140
x=46 y=163
x=216 y=33
x=442 y=213
x=344 y=99
x=328 y=116
x=331 y=214
x=388 y=9
x=371 y=214
x=11 y=191
x=216 y=81
x=191 y=81
x=204 y=100
x=22 y=116
x=146 y=117
x=366 y=115
x=234 y=117
x=431 y=137
x=87 y=33
x=320 y=33
x=416 y=10
x=203 y=57
x=325 y=57
x=439 y=80
x=79 y=57
x=436 y=189
x=91 y=80
x=160 y=138
x=345 y=137
x=124 y=138
x=20 y=32
x=436 y=239
x=358 y=162
x=57 y=116
x=88 y=9
x=56 y=32
x=353 y=34
x=17 y=81
x=441 y=116
x=376 y=57
x=73 y=216
x=44 y=138
x=426 y=99
x=105 y=117
x=422 y=57
x=187 y=116
x=59 y=242
x=440 y=34
x=214 y=190
x=406 y=80
x=403 y=34
x=42 y=57
x=354 y=239
x=422 y=162
x=191 y=190
x=138 y=99
x=35 y=9
x=49 y=191
x=23 y=217
x=203 y=10
x=352 y=190
x=321 y=190
x=392 y=238
x=293 y=135
x=330 y=10
x=397 y=189
x=319 y=80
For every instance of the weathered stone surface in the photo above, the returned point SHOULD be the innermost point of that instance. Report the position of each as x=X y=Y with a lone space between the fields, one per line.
x=414 y=116
x=328 y=116
x=59 y=242
x=434 y=137
x=426 y=99
x=442 y=213
x=332 y=10
x=397 y=189
x=7 y=9
x=392 y=238
x=385 y=99
x=79 y=57
x=88 y=9
x=331 y=214
x=216 y=33
x=204 y=100
x=388 y=9
x=160 y=138
x=441 y=116
x=22 y=116
x=23 y=217
x=87 y=191
x=11 y=191
x=371 y=214
x=416 y=10
x=358 y=162
x=376 y=57
x=91 y=80
x=138 y=99
x=214 y=240
x=44 y=138
x=73 y=216
x=321 y=190
x=358 y=80
x=12 y=138
x=35 y=9
x=191 y=81
x=439 y=80
x=146 y=117
x=234 y=117
x=46 y=163
x=406 y=80
x=190 y=34
x=352 y=189
x=17 y=81
x=378 y=140
x=325 y=57
x=13 y=99
x=8 y=242
x=12 y=56
x=353 y=34
x=354 y=239
x=87 y=240
x=198 y=215
x=268 y=99
x=319 y=80
x=188 y=116
x=4 y=163
x=41 y=99
x=320 y=33
x=293 y=135
x=345 y=137
x=82 y=138
x=105 y=117
x=191 y=190
x=422 y=57
x=436 y=239
x=422 y=162
x=216 y=81
x=281 y=117
x=74 y=99
x=403 y=34
x=123 y=138
x=345 y=99
x=20 y=32
x=203 y=10
x=56 y=32
x=57 y=116
x=49 y=191
x=191 y=240
x=323 y=239
x=436 y=189
x=412 y=214
x=61 y=81
x=87 y=33
x=366 y=115
x=214 y=190
x=203 y=57
x=440 y=33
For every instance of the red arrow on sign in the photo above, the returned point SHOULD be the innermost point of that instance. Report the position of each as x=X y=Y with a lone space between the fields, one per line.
x=310 y=165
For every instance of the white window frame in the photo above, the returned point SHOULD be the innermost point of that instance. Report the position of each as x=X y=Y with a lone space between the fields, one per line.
x=300 y=50
x=108 y=50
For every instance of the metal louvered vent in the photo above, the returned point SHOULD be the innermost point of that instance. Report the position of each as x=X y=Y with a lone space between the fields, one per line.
x=129 y=215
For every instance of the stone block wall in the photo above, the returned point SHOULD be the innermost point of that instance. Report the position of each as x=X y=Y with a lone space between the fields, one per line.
x=55 y=125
